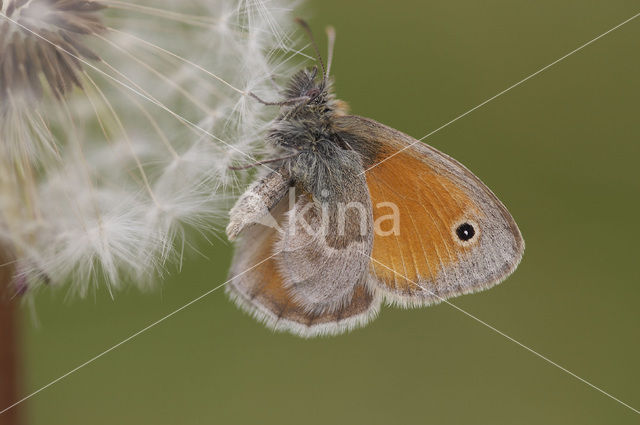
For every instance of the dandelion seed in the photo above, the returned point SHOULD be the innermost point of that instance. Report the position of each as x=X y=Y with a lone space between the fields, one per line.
x=27 y=50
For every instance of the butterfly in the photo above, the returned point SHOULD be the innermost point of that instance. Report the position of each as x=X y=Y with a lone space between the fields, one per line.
x=352 y=213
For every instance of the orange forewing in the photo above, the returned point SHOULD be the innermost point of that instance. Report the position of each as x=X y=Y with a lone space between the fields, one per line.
x=429 y=206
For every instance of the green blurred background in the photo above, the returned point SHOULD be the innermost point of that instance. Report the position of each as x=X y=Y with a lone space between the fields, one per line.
x=562 y=153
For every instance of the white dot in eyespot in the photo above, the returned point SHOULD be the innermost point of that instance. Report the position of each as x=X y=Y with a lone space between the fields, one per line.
x=324 y=193
x=465 y=232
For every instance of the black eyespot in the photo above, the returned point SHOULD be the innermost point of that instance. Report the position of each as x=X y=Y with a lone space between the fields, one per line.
x=465 y=232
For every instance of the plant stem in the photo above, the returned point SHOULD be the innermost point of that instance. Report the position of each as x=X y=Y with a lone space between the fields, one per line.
x=10 y=367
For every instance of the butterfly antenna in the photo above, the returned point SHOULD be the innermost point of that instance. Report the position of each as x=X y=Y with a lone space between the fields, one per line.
x=331 y=38
x=307 y=29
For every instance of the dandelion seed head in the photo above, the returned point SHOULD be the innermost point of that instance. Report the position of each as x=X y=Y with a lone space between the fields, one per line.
x=112 y=166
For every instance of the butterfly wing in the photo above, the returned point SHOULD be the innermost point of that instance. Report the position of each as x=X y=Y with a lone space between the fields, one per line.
x=327 y=238
x=258 y=286
x=320 y=264
x=450 y=236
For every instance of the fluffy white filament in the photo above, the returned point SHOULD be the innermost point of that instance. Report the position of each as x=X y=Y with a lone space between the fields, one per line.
x=102 y=172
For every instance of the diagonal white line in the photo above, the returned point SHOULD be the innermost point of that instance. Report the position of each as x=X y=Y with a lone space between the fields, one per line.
x=134 y=90
x=129 y=338
x=499 y=332
x=505 y=90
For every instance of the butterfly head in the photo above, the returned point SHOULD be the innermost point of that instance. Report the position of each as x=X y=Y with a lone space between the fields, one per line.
x=311 y=88
x=306 y=113
x=306 y=88
x=309 y=106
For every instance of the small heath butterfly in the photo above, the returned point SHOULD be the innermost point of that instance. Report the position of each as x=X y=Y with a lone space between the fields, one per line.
x=353 y=213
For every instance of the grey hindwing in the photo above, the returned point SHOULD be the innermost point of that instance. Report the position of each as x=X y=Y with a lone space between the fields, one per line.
x=327 y=238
